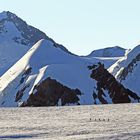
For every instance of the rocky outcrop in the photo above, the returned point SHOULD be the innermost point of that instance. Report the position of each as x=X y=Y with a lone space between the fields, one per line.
x=50 y=93
x=105 y=81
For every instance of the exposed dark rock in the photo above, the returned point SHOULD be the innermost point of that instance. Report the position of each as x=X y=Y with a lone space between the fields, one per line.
x=94 y=97
x=49 y=92
x=105 y=81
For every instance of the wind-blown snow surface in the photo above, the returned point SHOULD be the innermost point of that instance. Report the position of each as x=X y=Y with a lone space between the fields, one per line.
x=46 y=60
x=127 y=70
x=102 y=122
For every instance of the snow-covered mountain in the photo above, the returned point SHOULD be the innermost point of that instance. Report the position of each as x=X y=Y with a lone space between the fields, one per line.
x=47 y=76
x=108 y=52
x=16 y=38
x=126 y=70
x=107 y=56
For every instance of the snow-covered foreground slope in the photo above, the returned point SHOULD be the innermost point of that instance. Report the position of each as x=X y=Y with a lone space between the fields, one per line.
x=47 y=75
x=127 y=69
x=16 y=38
x=103 y=122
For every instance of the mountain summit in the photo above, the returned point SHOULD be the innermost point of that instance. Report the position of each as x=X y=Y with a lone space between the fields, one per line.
x=16 y=38
x=14 y=28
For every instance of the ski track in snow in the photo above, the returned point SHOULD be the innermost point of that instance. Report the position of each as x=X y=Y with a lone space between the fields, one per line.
x=71 y=123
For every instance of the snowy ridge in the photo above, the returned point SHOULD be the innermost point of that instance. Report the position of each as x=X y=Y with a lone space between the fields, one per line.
x=124 y=61
x=127 y=69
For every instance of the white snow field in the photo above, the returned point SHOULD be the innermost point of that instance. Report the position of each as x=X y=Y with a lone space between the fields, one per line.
x=71 y=123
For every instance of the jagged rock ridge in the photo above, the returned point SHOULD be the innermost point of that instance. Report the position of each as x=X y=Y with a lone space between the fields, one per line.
x=105 y=81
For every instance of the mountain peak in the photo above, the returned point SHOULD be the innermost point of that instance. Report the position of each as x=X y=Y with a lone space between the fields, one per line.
x=6 y=15
x=13 y=27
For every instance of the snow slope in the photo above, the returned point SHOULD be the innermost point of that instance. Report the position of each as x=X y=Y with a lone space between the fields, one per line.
x=126 y=70
x=16 y=38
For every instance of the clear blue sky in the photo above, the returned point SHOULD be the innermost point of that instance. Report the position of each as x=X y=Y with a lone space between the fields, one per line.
x=82 y=25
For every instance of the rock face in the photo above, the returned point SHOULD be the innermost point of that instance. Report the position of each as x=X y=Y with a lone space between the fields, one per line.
x=50 y=93
x=105 y=81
